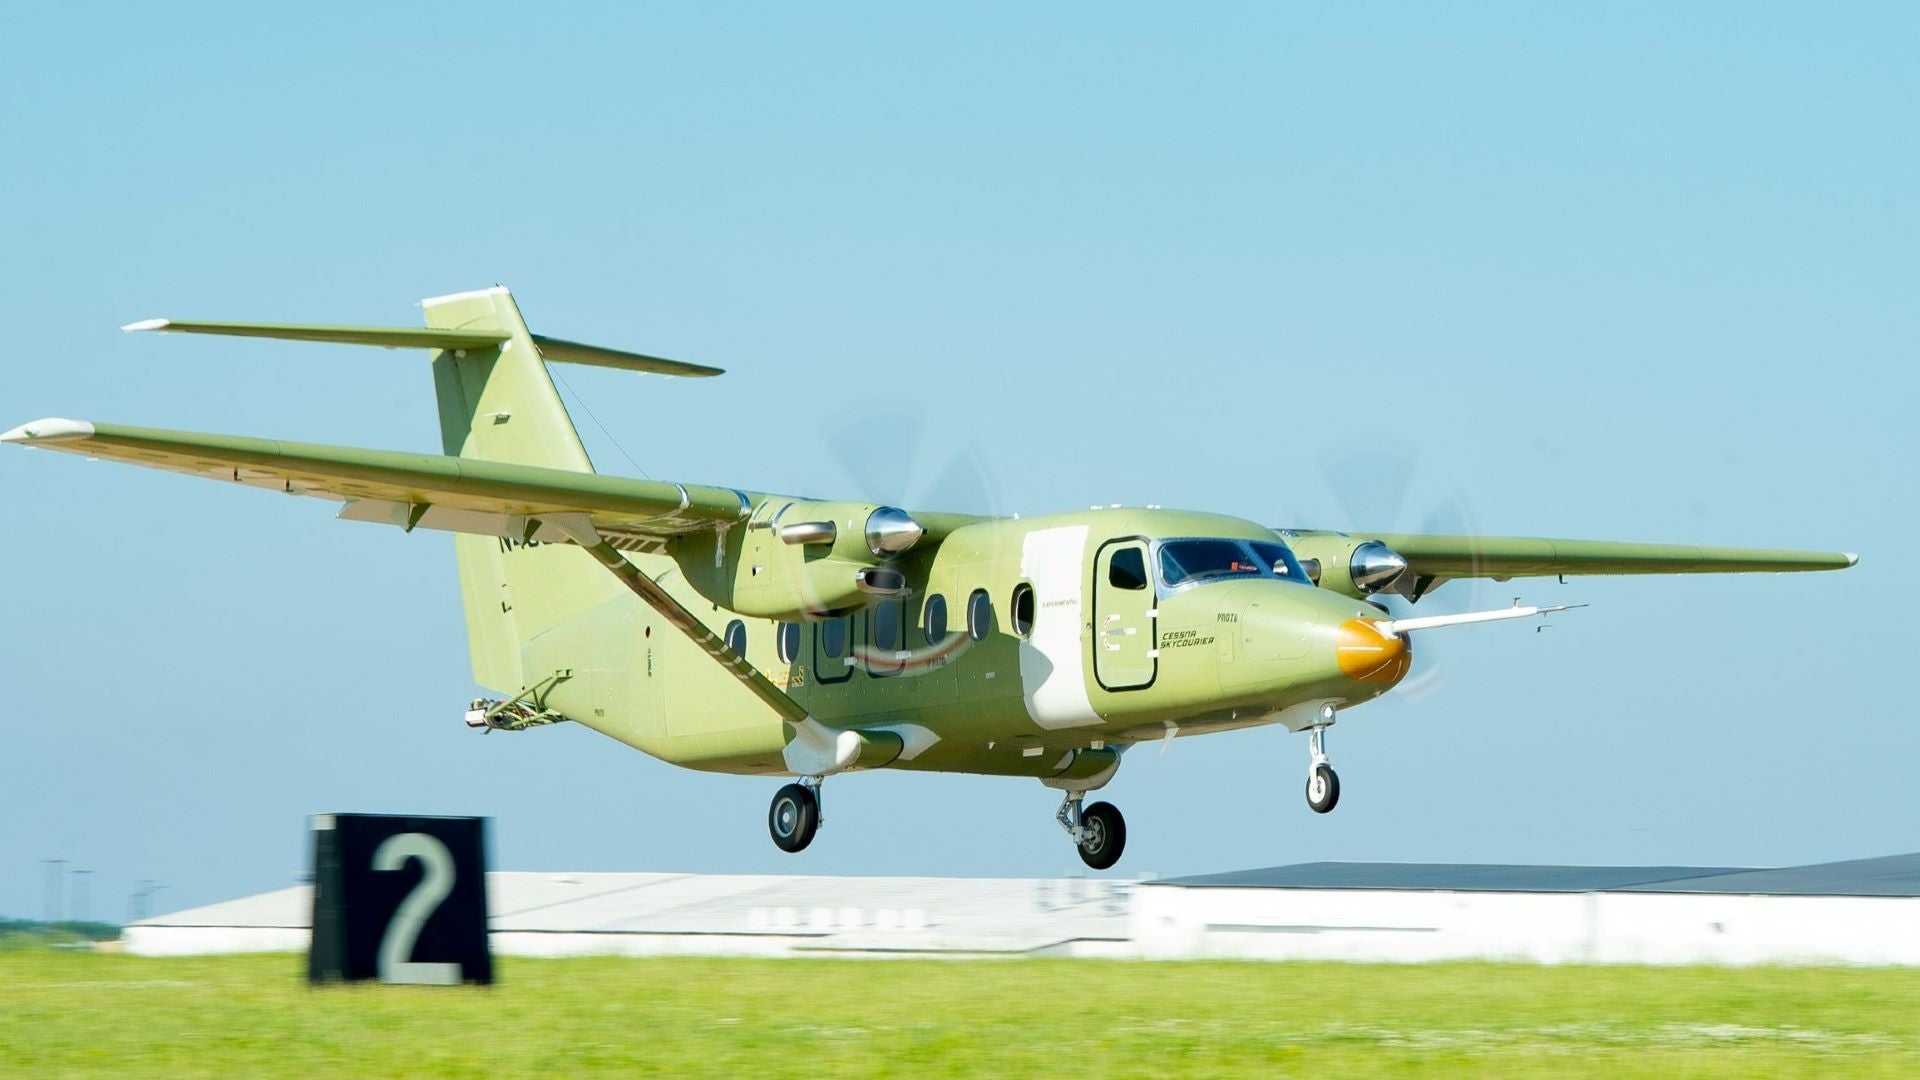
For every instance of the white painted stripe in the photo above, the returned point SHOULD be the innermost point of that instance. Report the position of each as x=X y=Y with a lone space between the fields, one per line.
x=471 y=294
x=51 y=429
x=1052 y=671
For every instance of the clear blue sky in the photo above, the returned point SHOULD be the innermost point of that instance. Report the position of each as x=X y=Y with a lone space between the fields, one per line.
x=1622 y=271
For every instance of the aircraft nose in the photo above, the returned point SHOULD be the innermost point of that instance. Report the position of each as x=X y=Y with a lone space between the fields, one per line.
x=1369 y=654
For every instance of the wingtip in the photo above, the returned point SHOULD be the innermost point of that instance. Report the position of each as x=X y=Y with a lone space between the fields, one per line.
x=147 y=324
x=51 y=429
x=1853 y=557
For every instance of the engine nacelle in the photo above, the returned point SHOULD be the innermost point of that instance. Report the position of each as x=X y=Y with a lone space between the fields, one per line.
x=1350 y=566
x=802 y=558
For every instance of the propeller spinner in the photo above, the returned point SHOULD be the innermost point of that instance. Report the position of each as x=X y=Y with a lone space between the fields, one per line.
x=1375 y=566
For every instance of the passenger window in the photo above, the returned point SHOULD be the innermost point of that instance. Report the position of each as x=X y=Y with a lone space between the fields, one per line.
x=736 y=637
x=1128 y=569
x=788 y=642
x=935 y=619
x=833 y=637
x=979 y=615
x=1023 y=609
x=886 y=625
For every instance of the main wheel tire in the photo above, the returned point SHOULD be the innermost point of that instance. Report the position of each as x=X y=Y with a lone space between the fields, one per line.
x=1103 y=835
x=1323 y=789
x=793 y=817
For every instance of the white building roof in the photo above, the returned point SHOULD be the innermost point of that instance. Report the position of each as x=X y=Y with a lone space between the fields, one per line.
x=832 y=913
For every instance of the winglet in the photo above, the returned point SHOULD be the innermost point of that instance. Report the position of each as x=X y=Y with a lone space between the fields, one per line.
x=52 y=429
x=1853 y=557
x=147 y=324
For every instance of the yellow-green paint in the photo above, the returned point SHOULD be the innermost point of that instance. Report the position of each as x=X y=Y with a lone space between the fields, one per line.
x=1102 y=665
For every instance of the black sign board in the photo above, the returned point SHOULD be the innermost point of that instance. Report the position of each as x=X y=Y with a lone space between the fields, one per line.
x=399 y=899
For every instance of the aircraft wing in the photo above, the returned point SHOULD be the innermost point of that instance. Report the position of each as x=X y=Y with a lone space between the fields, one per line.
x=412 y=490
x=1502 y=557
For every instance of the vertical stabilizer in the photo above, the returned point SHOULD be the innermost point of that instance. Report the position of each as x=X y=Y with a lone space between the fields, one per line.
x=498 y=403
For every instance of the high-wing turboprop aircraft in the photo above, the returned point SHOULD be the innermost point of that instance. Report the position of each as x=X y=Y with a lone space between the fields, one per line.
x=742 y=632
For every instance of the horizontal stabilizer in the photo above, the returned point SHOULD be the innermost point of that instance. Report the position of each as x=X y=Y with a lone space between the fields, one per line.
x=391 y=337
x=572 y=352
x=556 y=350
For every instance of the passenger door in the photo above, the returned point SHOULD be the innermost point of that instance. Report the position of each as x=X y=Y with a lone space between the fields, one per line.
x=1124 y=617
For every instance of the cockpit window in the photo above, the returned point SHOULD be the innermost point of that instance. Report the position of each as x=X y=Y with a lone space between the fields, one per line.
x=1187 y=562
x=1279 y=558
x=1128 y=569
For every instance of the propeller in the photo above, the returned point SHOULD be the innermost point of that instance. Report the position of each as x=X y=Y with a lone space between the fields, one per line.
x=1393 y=489
x=882 y=447
x=884 y=450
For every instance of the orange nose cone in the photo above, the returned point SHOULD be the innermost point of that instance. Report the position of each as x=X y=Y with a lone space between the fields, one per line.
x=1369 y=655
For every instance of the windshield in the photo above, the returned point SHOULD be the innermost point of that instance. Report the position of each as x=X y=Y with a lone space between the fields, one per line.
x=1186 y=562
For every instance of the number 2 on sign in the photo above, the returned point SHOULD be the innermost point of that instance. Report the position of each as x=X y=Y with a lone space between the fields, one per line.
x=395 y=963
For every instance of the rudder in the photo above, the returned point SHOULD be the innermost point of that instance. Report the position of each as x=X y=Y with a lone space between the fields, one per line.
x=499 y=404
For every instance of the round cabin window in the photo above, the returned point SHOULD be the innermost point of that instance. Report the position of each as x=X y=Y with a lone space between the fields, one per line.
x=979 y=615
x=935 y=620
x=886 y=625
x=833 y=638
x=1022 y=609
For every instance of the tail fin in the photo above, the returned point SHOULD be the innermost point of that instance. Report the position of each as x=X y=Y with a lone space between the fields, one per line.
x=498 y=403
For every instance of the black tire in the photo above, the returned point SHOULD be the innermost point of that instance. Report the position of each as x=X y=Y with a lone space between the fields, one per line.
x=1329 y=789
x=793 y=818
x=1104 y=835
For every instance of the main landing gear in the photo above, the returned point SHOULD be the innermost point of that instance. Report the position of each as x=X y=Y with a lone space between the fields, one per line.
x=795 y=814
x=1323 y=784
x=1098 y=830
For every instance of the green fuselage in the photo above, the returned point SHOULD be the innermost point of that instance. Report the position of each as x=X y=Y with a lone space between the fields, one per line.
x=1043 y=686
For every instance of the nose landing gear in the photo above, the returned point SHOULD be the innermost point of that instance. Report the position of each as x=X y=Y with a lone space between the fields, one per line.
x=1323 y=784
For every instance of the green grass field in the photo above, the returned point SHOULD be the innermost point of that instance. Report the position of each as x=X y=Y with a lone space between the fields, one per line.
x=73 y=1014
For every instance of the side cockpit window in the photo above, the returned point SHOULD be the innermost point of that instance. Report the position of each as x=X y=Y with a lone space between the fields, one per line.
x=1279 y=558
x=1128 y=569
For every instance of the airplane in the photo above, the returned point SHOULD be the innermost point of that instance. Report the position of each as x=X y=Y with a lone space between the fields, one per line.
x=786 y=636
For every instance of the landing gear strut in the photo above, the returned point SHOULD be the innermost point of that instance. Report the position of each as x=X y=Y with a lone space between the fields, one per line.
x=1323 y=784
x=795 y=814
x=1098 y=830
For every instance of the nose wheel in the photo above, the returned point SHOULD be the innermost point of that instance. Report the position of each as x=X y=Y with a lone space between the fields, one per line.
x=1323 y=789
x=1323 y=784
x=794 y=816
